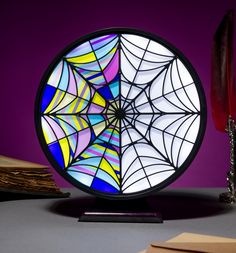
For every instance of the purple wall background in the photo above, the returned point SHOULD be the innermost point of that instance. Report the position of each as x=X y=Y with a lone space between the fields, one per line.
x=34 y=32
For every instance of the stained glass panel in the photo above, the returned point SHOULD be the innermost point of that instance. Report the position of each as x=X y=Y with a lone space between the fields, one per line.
x=120 y=113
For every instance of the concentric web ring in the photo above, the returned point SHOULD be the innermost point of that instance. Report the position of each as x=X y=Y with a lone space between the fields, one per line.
x=120 y=113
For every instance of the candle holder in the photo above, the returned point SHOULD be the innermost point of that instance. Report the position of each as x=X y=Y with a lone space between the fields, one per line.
x=230 y=196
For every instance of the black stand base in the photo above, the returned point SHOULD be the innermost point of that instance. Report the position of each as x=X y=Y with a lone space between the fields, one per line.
x=133 y=211
x=140 y=217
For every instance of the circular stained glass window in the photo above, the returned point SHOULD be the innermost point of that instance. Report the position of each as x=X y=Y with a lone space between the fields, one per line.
x=120 y=113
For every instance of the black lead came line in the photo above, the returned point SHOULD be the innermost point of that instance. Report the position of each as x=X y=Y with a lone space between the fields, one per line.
x=147 y=49
x=149 y=83
x=91 y=85
x=175 y=134
x=158 y=129
x=109 y=42
x=65 y=91
x=172 y=84
x=184 y=86
x=145 y=138
x=161 y=112
x=120 y=139
x=138 y=156
x=127 y=51
x=137 y=70
x=105 y=153
x=184 y=138
x=91 y=142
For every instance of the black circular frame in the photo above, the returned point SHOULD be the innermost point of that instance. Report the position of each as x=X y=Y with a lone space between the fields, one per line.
x=121 y=114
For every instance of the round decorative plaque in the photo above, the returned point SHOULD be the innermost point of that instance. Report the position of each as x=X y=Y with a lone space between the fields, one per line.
x=120 y=113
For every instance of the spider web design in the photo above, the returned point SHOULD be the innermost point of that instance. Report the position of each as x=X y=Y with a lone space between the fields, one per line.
x=120 y=113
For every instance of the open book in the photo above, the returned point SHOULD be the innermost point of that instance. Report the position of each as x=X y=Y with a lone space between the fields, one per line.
x=28 y=178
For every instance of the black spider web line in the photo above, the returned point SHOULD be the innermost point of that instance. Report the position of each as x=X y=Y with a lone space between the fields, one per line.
x=163 y=94
x=184 y=86
x=101 y=71
x=164 y=141
x=116 y=151
x=172 y=84
x=143 y=156
x=66 y=136
x=92 y=141
x=144 y=178
x=103 y=156
x=147 y=49
x=161 y=162
x=134 y=120
x=76 y=87
x=96 y=167
x=161 y=112
x=77 y=131
x=124 y=80
x=72 y=169
x=77 y=65
x=59 y=81
x=81 y=99
x=146 y=103
x=84 y=99
x=128 y=145
x=149 y=142
x=175 y=134
x=147 y=85
x=137 y=69
x=71 y=57
x=120 y=139
x=185 y=139
x=136 y=153
x=98 y=59
x=82 y=116
x=91 y=85
x=60 y=119
x=57 y=139
x=146 y=167
x=159 y=129
x=145 y=60
x=127 y=58
x=94 y=52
